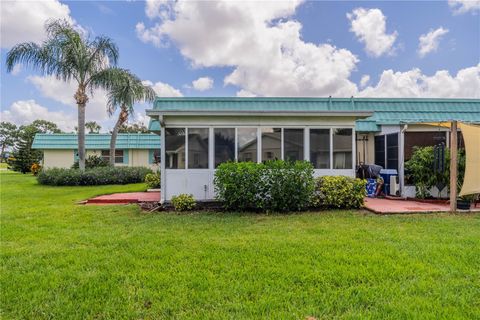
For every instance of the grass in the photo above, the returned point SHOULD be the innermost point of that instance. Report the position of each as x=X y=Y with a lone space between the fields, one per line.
x=60 y=260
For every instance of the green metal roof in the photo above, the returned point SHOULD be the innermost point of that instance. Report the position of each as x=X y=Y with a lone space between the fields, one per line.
x=386 y=111
x=96 y=141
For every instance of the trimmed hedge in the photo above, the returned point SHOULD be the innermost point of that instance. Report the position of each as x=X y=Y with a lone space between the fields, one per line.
x=93 y=176
x=271 y=186
x=339 y=192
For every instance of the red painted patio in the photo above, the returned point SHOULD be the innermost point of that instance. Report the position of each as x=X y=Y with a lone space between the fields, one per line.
x=125 y=198
x=406 y=206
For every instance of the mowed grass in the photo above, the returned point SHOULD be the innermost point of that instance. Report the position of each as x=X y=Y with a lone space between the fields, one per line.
x=60 y=260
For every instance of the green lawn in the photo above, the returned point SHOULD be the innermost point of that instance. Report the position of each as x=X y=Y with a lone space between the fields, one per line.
x=60 y=260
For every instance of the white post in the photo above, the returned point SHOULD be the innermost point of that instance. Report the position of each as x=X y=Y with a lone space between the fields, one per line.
x=306 y=144
x=163 y=176
x=401 y=160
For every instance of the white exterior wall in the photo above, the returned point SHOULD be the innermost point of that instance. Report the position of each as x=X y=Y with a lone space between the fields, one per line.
x=199 y=182
x=58 y=158
x=65 y=158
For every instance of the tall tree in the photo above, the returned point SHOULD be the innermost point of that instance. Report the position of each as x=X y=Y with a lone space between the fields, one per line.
x=124 y=94
x=8 y=135
x=70 y=55
x=93 y=127
x=23 y=153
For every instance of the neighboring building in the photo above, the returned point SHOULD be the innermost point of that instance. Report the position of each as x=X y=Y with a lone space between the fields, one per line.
x=334 y=134
x=132 y=149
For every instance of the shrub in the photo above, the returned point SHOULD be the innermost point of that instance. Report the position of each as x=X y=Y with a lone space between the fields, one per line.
x=271 y=186
x=94 y=176
x=420 y=169
x=339 y=192
x=153 y=180
x=93 y=161
x=183 y=202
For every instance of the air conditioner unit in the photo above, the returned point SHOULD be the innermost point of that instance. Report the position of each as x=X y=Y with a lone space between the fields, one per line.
x=394 y=186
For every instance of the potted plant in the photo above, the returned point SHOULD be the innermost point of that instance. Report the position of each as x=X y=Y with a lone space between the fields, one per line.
x=464 y=202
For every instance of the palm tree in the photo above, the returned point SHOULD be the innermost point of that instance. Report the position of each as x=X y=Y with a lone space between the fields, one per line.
x=124 y=93
x=93 y=127
x=69 y=55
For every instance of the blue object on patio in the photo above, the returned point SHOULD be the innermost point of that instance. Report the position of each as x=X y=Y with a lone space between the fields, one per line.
x=386 y=174
x=371 y=187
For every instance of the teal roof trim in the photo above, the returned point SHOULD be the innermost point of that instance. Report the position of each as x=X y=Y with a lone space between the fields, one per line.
x=386 y=111
x=96 y=141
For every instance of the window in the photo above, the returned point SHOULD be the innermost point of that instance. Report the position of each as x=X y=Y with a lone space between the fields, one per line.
x=342 y=149
x=175 y=148
x=118 y=155
x=320 y=148
x=380 y=151
x=271 y=144
x=392 y=151
x=247 y=144
x=198 y=148
x=293 y=144
x=155 y=156
x=224 y=145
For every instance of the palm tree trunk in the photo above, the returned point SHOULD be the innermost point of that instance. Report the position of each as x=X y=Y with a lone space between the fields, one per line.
x=82 y=99
x=81 y=137
x=122 y=117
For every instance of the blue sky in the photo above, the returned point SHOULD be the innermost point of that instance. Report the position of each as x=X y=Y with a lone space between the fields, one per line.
x=256 y=48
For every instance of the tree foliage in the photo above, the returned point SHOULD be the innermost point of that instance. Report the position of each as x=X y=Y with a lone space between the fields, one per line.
x=133 y=128
x=23 y=155
x=8 y=136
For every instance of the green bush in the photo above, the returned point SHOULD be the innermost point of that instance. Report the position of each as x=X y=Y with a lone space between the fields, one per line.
x=271 y=186
x=94 y=176
x=153 y=180
x=93 y=161
x=339 y=192
x=183 y=202
x=420 y=169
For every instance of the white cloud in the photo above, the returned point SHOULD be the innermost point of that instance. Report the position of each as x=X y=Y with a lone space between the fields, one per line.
x=23 y=21
x=370 y=27
x=364 y=80
x=202 y=84
x=63 y=92
x=429 y=42
x=464 y=6
x=163 y=89
x=413 y=83
x=23 y=112
x=259 y=41
x=245 y=94
x=17 y=68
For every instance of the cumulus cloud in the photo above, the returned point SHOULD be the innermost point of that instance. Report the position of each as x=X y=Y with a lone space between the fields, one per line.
x=163 y=89
x=364 y=80
x=429 y=42
x=202 y=84
x=24 y=20
x=63 y=92
x=464 y=6
x=413 y=83
x=23 y=112
x=370 y=27
x=259 y=40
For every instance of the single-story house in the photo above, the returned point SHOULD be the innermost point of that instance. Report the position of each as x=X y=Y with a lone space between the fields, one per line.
x=132 y=149
x=335 y=134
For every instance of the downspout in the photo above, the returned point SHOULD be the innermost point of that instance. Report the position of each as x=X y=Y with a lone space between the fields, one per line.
x=401 y=174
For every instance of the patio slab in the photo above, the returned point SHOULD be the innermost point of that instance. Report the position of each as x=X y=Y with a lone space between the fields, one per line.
x=406 y=206
x=125 y=198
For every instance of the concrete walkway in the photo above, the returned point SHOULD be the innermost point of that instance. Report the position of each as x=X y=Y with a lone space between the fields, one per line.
x=125 y=198
x=406 y=206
